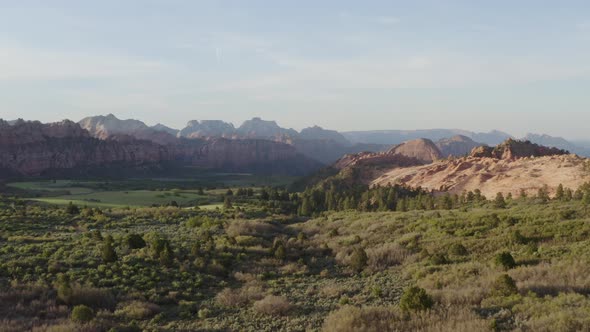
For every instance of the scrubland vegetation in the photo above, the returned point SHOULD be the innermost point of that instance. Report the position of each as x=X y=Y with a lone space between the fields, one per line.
x=388 y=259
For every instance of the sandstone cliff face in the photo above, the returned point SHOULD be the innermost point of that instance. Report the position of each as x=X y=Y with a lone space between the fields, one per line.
x=249 y=155
x=33 y=148
x=23 y=132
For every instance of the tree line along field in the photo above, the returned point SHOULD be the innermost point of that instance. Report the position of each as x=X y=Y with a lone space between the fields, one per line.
x=263 y=262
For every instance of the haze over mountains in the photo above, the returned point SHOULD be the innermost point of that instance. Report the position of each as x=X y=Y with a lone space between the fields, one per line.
x=33 y=148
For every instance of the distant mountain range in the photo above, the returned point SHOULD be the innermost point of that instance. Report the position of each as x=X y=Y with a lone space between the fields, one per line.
x=400 y=136
x=254 y=145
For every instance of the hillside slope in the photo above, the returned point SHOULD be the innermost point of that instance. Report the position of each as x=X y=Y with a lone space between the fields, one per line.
x=491 y=175
x=508 y=168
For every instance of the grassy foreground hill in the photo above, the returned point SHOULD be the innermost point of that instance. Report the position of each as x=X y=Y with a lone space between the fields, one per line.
x=507 y=264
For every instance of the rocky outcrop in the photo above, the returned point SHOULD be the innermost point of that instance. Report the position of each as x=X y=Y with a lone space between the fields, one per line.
x=514 y=149
x=457 y=146
x=422 y=149
x=508 y=168
x=492 y=175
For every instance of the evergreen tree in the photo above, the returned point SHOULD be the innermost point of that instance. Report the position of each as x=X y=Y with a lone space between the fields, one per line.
x=108 y=251
x=227 y=203
x=359 y=259
x=560 y=193
x=305 y=208
x=499 y=202
x=167 y=255
x=72 y=209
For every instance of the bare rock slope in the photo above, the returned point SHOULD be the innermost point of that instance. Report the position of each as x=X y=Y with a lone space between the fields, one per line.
x=508 y=168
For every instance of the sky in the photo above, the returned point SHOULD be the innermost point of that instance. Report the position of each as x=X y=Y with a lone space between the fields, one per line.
x=517 y=66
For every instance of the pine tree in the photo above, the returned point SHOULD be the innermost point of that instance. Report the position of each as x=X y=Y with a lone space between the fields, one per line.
x=559 y=193
x=499 y=202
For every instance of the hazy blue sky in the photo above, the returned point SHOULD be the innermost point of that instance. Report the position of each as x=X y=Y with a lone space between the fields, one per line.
x=517 y=66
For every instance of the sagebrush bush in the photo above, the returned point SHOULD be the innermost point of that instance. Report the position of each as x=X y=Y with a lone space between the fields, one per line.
x=368 y=319
x=138 y=310
x=273 y=305
x=386 y=255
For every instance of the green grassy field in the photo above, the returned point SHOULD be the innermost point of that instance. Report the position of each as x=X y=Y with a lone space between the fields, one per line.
x=143 y=192
x=128 y=198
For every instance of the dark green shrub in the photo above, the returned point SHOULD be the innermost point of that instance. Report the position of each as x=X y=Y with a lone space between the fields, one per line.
x=72 y=209
x=280 y=252
x=359 y=259
x=505 y=260
x=415 y=299
x=458 y=249
x=135 y=241
x=504 y=286
x=82 y=314
x=438 y=259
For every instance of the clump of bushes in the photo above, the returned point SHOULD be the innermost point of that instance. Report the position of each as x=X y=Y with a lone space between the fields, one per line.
x=415 y=299
x=82 y=314
x=273 y=305
x=350 y=319
x=138 y=310
x=250 y=292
